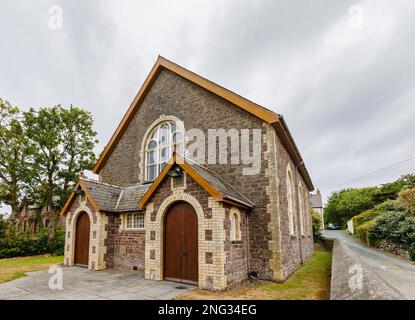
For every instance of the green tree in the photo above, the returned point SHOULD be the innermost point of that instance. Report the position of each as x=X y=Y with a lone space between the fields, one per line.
x=62 y=142
x=14 y=173
x=345 y=204
x=78 y=144
x=390 y=191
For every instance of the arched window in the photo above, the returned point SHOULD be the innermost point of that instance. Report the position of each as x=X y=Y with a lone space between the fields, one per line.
x=301 y=208
x=308 y=218
x=235 y=225
x=159 y=148
x=290 y=199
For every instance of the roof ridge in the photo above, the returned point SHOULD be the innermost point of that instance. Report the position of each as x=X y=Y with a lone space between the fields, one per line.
x=99 y=182
x=136 y=185
x=119 y=199
x=218 y=85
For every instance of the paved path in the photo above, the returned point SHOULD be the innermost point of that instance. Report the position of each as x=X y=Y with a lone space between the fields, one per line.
x=399 y=273
x=82 y=284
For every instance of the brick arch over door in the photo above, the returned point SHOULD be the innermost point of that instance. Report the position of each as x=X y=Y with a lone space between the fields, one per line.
x=83 y=229
x=180 y=247
x=161 y=212
x=73 y=228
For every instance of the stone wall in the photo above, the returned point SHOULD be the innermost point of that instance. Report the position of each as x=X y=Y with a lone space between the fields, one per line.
x=171 y=95
x=98 y=234
x=211 y=234
x=236 y=252
x=393 y=248
x=273 y=253
x=352 y=279
x=125 y=248
x=292 y=245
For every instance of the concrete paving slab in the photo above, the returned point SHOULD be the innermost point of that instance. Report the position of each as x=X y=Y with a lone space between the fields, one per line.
x=83 y=284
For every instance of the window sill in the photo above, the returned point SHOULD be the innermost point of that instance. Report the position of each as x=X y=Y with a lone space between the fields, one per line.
x=236 y=241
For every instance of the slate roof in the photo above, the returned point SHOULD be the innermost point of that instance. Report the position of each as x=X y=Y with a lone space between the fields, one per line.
x=130 y=196
x=220 y=184
x=114 y=198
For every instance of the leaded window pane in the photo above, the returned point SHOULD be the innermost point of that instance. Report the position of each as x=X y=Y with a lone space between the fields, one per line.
x=152 y=145
x=159 y=148
x=151 y=157
x=151 y=172
x=165 y=154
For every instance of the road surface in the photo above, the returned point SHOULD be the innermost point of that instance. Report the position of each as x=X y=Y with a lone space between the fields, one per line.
x=399 y=273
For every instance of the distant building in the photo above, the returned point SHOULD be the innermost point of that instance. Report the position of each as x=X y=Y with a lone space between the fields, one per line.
x=31 y=218
x=317 y=204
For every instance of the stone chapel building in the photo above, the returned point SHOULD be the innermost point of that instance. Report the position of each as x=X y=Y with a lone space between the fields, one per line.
x=156 y=209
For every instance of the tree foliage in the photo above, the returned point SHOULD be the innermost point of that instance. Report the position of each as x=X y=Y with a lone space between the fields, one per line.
x=316 y=224
x=14 y=173
x=396 y=227
x=61 y=143
x=42 y=153
x=345 y=204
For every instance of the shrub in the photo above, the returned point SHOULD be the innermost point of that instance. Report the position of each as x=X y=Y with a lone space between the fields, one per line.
x=316 y=220
x=395 y=227
x=364 y=217
x=27 y=245
x=57 y=244
x=407 y=199
x=411 y=252
x=363 y=222
x=362 y=231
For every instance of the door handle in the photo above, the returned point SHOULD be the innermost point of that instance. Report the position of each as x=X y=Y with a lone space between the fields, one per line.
x=184 y=252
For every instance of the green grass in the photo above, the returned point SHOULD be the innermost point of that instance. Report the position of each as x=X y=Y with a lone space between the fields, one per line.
x=310 y=282
x=14 y=268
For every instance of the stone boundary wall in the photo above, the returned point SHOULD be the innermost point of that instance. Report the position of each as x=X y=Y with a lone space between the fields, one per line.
x=352 y=279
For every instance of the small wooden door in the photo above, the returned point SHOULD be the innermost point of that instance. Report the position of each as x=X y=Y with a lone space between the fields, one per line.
x=180 y=244
x=82 y=239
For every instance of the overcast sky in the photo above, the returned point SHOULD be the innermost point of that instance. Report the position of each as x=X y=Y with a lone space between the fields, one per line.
x=341 y=72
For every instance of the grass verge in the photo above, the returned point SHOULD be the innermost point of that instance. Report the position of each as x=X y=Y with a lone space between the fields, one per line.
x=310 y=282
x=14 y=268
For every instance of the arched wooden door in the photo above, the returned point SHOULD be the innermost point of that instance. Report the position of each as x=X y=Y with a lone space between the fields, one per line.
x=82 y=239
x=180 y=244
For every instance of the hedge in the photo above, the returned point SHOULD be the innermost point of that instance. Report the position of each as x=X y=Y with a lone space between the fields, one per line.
x=28 y=245
x=362 y=231
x=396 y=227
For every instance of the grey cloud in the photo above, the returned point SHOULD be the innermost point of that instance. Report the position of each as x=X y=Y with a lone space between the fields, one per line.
x=347 y=96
